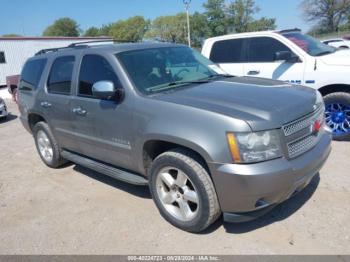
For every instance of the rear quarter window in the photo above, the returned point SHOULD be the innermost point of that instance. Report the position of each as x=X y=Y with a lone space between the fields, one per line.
x=227 y=51
x=32 y=72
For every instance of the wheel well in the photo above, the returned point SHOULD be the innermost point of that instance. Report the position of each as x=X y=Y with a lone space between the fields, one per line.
x=154 y=148
x=33 y=119
x=334 y=88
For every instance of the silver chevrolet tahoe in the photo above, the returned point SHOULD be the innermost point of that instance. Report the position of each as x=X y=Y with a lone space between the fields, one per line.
x=206 y=143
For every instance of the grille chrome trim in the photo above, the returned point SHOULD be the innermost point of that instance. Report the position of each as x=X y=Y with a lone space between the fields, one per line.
x=299 y=134
x=301 y=123
x=303 y=145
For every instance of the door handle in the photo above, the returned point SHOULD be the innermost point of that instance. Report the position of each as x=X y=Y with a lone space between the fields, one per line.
x=254 y=72
x=79 y=111
x=45 y=104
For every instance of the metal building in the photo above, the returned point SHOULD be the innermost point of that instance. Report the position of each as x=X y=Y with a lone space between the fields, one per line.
x=14 y=51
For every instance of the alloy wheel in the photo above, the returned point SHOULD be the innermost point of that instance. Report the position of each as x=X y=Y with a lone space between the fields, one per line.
x=177 y=193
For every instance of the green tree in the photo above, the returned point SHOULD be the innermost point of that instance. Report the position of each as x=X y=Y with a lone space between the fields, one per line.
x=199 y=29
x=105 y=30
x=262 y=24
x=240 y=17
x=63 y=27
x=92 y=31
x=216 y=18
x=131 y=29
x=11 y=35
x=169 y=28
x=330 y=14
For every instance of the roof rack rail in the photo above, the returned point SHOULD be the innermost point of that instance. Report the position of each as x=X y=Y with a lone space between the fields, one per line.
x=81 y=45
x=48 y=50
x=99 y=41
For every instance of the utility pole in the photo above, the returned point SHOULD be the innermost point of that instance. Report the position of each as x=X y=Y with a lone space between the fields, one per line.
x=187 y=6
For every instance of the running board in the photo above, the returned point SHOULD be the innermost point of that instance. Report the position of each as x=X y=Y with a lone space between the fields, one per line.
x=108 y=170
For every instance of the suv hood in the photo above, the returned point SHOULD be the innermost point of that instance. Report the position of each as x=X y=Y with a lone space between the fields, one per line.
x=339 y=58
x=264 y=104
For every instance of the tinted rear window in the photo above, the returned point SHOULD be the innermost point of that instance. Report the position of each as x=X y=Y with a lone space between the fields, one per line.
x=227 y=51
x=60 y=79
x=32 y=71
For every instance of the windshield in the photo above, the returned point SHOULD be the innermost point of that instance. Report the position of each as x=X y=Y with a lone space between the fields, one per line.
x=310 y=45
x=159 y=69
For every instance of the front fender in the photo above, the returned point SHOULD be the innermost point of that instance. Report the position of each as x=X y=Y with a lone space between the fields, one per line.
x=199 y=130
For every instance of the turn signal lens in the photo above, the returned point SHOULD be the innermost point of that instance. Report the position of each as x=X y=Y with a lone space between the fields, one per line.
x=236 y=156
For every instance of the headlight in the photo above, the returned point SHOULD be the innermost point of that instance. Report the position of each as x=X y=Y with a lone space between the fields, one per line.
x=319 y=99
x=254 y=146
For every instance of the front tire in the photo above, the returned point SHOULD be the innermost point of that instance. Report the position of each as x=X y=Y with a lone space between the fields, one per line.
x=338 y=114
x=47 y=145
x=183 y=190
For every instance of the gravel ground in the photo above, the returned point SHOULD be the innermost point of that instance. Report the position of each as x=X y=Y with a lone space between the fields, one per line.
x=73 y=210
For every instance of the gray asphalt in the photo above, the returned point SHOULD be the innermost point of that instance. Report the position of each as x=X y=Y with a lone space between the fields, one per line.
x=73 y=210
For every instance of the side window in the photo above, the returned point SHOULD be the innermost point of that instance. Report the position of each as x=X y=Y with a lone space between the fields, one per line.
x=32 y=72
x=263 y=49
x=2 y=58
x=60 y=78
x=94 y=68
x=227 y=51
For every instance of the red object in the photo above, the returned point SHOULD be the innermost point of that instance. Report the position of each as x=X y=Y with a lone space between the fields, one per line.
x=317 y=126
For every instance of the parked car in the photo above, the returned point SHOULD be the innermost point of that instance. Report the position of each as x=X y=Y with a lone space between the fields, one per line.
x=338 y=43
x=12 y=85
x=3 y=109
x=161 y=115
x=291 y=57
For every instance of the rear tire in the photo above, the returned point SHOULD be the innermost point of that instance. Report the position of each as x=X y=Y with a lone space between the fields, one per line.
x=47 y=146
x=187 y=199
x=338 y=114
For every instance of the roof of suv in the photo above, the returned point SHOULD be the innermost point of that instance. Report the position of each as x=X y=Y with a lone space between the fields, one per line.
x=113 y=48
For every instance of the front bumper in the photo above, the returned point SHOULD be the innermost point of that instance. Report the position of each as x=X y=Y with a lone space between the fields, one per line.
x=248 y=191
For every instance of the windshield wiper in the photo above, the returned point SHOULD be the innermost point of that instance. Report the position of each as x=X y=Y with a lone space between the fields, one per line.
x=176 y=83
x=220 y=75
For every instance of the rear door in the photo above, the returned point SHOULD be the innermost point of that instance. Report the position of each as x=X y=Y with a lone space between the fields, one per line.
x=230 y=55
x=261 y=61
x=56 y=100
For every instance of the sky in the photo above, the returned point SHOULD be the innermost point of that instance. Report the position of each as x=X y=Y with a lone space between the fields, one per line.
x=31 y=17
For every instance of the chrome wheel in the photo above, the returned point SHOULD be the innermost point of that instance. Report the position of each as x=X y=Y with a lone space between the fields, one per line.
x=44 y=146
x=338 y=118
x=177 y=193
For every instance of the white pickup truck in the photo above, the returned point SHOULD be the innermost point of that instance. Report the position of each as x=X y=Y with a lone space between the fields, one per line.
x=293 y=57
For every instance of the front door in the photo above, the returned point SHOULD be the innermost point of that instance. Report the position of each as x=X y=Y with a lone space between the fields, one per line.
x=261 y=61
x=103 y=127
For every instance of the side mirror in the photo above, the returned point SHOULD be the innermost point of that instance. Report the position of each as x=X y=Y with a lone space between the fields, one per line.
x=287 y=56
x=107 y=91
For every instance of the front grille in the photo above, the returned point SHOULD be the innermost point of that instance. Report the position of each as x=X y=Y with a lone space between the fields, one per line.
x=300 y=135
x=301 y=146
x=303 y=122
